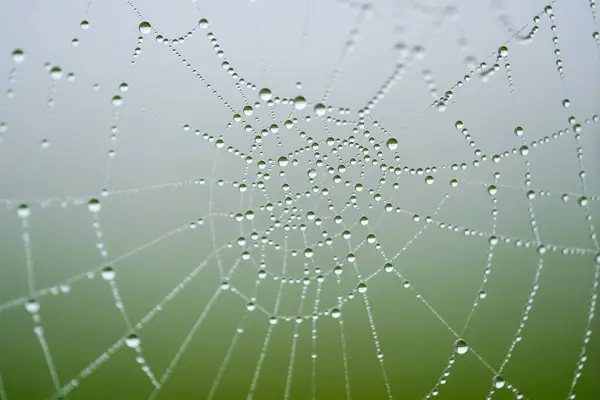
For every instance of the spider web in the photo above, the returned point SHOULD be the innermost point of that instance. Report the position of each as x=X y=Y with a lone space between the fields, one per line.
x=300 y=200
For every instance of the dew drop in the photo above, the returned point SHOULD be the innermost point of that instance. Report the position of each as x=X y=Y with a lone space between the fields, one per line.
x=94 y=205
x=320 y=109
x=362 y=287
x=203 y=23
x=429 y=180
x=117 y=101
x=542 y=249
x=32 y=306
x=492 y=190
x=132 y=340
x=23 y=211
x=392 y=144
x=56 y=73
x=265 y=94
x=461 y=347
x=84 y=24
x=283 y=161
x=18 y=55
x=145 y=27
x=499 y=382
x=519 y=131
x=566 y=103
x=299 y=103
x=108 y=273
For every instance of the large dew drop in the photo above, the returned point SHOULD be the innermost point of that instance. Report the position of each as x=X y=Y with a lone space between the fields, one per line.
x=117 y=101
x=145 y=27
x=392 y=144
x=519 y=131
x=299 y=103
x=108 y=273
x=56 y=73
x=32 y=306
x=362 y=287
x=23 y=211
x=308 y=253
x=132 y=340
x=461 y=347
x=94 y=205
x=18 y=55
x=265 y=94
x=499 y=382
x=320 y=109
x=282 y=161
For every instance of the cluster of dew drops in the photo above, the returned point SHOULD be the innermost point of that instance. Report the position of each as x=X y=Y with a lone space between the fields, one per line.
x=300 y=103
x=107 y=273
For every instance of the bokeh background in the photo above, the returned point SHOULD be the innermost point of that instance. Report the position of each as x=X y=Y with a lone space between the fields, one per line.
x=163 y=212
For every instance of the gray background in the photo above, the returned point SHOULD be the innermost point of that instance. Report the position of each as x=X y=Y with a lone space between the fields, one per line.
x=152 y=192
